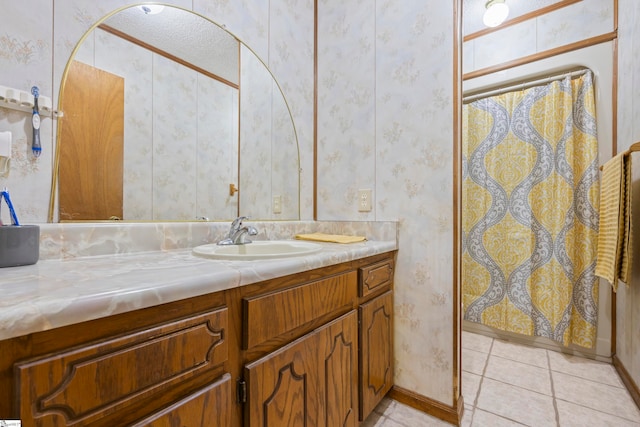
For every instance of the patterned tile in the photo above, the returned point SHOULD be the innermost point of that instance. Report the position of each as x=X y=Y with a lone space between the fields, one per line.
x=515 y=391
x=487 y=419
x=473 y=361
x=377 y=420
x=584 y=368
x=470 y=387
x=520 y=353
x=390 y=413
x=598 y=396
x=409 y=417
x=467 y=416
x=575 y=415
x=519 y=374
x=386 y=406
x=476 y=342
x=517 y=404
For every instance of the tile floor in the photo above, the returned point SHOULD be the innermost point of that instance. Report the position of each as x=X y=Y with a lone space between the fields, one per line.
x=506 y=384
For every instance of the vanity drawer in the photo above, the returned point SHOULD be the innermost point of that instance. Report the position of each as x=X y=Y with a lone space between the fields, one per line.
x=210 y=406
x=272 y=315
x=100 y=379
x=375 y=276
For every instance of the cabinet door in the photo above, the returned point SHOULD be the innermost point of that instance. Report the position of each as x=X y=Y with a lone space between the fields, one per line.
x=210 y=406
x=282 y=387
x=309 y=382
x=376 y=351
x=338 y=352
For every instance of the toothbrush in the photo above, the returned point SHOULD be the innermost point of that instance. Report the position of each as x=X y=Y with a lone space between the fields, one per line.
x=36 y=148
x=4 y=194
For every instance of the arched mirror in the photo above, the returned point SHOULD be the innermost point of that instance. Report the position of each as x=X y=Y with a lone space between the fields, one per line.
x=169 y=117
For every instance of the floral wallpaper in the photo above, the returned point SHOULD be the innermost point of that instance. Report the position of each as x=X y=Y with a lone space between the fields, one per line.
x=280 y=32
x=26 y=50
x=266 y=124
x=217 y=152
x=473 y=10
x=578 y=21
x=385 y=123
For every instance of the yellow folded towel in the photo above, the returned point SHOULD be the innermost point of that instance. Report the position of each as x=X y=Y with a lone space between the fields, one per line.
x=625 y=262
x=333 y=238
x=615 y=221
x=609 y=242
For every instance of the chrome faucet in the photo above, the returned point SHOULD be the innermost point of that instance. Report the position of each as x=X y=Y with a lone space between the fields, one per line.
x=238 y=234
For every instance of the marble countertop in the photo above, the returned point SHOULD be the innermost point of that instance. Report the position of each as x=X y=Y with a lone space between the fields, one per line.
x=54 y=293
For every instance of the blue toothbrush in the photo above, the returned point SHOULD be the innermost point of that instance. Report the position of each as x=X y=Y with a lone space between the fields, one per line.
x=4 y=194
x=36 y=148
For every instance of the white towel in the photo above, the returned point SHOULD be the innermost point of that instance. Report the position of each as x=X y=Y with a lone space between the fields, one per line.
x=5 y=144
x=5 y=152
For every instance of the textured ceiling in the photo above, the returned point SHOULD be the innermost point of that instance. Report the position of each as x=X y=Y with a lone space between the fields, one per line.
x=472 y=11
x=184 y=35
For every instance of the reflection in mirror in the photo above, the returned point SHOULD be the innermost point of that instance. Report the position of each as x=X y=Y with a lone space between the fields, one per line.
x=163 y=114
x=269 y=149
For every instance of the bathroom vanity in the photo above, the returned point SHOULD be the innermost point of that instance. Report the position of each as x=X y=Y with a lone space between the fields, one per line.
x=311 y=347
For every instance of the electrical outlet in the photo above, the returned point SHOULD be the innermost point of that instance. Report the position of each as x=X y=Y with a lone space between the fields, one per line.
x=364 y=200
x=277 y=204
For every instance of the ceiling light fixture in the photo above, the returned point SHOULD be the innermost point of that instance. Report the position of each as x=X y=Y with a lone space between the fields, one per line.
x=497 y=11
x=151 y=9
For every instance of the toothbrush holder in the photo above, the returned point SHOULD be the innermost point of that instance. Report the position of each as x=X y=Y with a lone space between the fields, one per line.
x=19 y=245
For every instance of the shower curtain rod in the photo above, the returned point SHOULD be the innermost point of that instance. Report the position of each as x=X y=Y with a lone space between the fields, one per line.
x=523 y=86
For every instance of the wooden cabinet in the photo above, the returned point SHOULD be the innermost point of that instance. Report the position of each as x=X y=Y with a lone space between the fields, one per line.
x=113 y=381
x=313 y=349
x=376 y=352
x=210 y=406
x=375 y=277
x=282 y=388
x=268 y=317
x=336 y=374
x=376 y=333
x=312 y=381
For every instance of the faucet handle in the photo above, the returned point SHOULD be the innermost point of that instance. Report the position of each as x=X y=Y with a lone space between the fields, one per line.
x=237 y=223
x=238 y=234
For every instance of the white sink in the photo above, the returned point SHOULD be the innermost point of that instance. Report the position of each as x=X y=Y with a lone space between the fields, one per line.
x=262 y=249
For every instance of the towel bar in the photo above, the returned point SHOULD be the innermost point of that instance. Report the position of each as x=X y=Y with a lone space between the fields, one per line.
x=634 y=147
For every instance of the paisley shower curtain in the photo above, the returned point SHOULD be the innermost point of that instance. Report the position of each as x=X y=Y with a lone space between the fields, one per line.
x=530 y=211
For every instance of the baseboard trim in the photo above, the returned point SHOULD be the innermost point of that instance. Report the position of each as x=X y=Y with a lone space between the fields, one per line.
x=631 y=385
x=429 y=406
